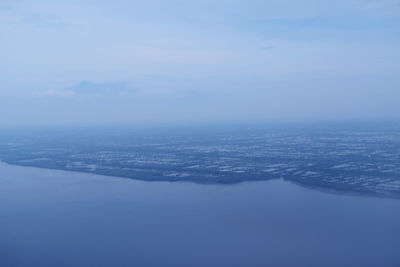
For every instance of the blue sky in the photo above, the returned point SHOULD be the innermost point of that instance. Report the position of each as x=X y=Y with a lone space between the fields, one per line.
x=203 y=61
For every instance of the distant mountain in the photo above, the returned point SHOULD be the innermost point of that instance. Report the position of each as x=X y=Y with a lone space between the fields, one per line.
x=86 y=87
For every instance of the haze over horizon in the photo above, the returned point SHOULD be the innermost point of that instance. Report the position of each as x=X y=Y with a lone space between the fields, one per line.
x=99 y=62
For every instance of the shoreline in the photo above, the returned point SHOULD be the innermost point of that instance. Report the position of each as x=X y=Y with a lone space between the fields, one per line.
x=324 y=189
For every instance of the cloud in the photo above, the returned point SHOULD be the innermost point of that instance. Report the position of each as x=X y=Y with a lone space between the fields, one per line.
x=54 y=93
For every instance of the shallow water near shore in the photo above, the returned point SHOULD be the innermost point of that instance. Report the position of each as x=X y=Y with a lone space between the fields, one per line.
x=58 y=218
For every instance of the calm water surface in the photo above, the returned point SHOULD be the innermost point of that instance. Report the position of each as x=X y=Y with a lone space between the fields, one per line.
x=57 y=218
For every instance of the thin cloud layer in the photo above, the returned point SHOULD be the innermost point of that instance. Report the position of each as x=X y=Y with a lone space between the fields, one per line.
x=253 y=60
x=90 y=88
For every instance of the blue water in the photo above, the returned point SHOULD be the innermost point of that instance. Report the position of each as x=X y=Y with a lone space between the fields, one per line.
x=57 y=218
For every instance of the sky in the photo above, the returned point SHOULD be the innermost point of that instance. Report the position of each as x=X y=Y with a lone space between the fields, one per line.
x=172 y=61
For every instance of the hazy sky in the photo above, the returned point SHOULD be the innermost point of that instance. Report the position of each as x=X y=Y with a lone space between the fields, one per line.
x=198 y=61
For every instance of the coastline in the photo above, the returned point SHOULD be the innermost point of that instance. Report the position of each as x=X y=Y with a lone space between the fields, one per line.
x=195 y=180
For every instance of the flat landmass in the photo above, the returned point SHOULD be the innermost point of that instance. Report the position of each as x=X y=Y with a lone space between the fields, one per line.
x=361 y=158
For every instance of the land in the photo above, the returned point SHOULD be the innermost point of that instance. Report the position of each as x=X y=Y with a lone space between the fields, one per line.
x=356 y=158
